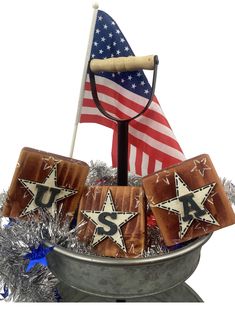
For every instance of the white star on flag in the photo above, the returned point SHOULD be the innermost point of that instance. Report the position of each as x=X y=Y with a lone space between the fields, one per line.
x=117 y=219
x=197 y=196
x=47 y=188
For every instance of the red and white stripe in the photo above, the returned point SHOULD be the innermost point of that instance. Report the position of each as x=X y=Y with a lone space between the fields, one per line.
x=152 y=144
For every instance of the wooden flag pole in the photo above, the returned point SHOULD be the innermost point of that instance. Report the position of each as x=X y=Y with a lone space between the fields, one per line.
x=84 y=75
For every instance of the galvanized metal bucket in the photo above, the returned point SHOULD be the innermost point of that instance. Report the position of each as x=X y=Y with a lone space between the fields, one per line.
x=122 y=278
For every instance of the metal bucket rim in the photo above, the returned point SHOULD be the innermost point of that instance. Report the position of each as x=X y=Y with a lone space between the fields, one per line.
x=130 y=261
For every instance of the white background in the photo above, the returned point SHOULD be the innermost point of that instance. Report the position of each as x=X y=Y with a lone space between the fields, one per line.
x=42 y=51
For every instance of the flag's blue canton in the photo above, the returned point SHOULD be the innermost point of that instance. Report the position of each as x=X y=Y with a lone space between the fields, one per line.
x=109 y=42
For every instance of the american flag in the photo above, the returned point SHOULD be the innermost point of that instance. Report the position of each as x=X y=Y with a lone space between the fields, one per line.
x=152 y=144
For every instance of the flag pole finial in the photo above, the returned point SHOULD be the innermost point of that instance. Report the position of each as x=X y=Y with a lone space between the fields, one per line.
x=95 y=5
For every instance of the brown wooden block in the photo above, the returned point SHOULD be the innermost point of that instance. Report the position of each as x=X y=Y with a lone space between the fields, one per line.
x=46 y=180
x=188 y=200
x=114 y=218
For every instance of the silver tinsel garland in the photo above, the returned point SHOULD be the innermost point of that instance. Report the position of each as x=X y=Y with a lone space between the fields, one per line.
x=229 y=188
x=102 y=175
x=18 y=237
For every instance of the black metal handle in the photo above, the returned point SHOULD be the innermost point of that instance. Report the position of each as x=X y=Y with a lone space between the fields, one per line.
x=122 y=153
x=122 y=149
x=103 y=111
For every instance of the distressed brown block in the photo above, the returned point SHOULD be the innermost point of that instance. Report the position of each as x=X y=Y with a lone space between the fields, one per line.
x=114 y=218
x=46 y=180
x=188 y=200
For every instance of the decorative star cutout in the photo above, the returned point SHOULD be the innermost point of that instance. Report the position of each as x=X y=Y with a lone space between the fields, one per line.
x=45 y=194
x=37 y=256
x=200 y=166
x=50 y=162
x=108 y=222
x=189 y=205
x=164 y=178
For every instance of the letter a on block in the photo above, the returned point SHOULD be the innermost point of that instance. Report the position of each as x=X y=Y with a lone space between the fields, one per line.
x=188 y=200
x=191 y=209
x=189 y=204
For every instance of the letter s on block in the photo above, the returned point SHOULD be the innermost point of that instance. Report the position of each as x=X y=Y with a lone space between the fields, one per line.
x=112 y=226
